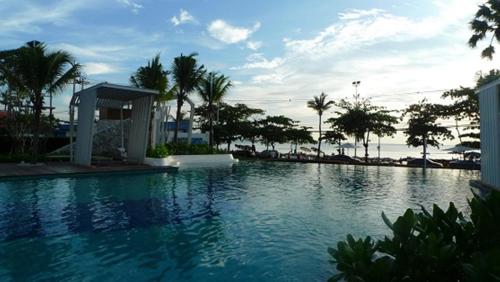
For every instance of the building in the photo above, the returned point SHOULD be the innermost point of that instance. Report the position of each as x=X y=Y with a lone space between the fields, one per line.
x=489 y=107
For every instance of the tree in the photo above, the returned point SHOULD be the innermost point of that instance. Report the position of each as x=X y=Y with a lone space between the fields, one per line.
x=465 y=107
x=273 y=130
x=212 y=89
x=299 y=135
x=486 y=20
x=422 y=127
x=320 y=105
x=233 y=123
x=360 y=119
x=36 y=71
x=187 y=75
x=153 y=76
x=335 y=135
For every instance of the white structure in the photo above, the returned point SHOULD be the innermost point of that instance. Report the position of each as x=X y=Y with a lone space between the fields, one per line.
x=105 y=95
x=489 y=107
x=193 y=160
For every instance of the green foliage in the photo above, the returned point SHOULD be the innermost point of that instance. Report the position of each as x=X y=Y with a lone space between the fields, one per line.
x=486 y=21
x=360 y=119
x=422 y=125
x=187 y=75
x=34 y=71
x=160 y=151
x=193 y=149
x=153 y=76
x=212 y=89
x=273 y=129
x=425 y=246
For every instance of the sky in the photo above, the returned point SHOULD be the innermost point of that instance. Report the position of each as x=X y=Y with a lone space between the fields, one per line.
x=278 y=53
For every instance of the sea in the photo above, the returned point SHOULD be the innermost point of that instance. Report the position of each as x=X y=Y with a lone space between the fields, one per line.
x=393 y=151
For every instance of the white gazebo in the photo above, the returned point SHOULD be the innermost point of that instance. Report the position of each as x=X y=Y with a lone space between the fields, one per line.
x=106 y=95
x=489 y=107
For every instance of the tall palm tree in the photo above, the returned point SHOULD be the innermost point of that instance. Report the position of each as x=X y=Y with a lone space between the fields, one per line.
x=37 y=71
x=187 y=75
x=320 y=105
x=212 y=89
x=486 y=20
x=153 y=76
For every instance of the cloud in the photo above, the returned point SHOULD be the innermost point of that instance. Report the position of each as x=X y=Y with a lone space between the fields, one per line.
x=27 y=16
x=353 y=14
x=254 y=45
x=183 y=18
x=230 y=34
x=93 y=68
x=133 y=6
x=391 y=54
x=258 y=61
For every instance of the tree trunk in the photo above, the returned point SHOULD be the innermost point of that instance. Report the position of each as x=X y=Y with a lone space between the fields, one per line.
x=319 y=138
x=211 y=124
x=36 y=126
x=177 y=119
x=365 y=144
x=229 y=146
x=425 y=151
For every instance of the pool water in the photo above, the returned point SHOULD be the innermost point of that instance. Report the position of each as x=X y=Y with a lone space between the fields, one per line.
x=256 y=221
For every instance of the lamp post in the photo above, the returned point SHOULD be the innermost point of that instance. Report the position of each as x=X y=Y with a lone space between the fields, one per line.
x=356 y=98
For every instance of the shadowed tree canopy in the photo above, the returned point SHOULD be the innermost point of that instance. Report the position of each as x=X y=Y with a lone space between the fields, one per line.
x=422 y=125
x=34 y=70
x=360 y=119
x=320 y=105
x=187 y=75
x=273 y=129
x=153 y=76
x=486 y=26
x=212 y=89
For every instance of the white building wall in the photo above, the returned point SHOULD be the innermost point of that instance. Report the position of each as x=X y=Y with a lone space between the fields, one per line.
x=489 y=100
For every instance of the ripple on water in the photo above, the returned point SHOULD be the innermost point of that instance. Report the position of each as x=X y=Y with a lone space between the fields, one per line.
x=256 y=221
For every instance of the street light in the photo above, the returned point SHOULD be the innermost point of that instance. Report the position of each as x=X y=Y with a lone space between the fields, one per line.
x=356 y=85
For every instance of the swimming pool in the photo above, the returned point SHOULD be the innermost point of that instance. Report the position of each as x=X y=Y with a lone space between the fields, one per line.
x=256 y=221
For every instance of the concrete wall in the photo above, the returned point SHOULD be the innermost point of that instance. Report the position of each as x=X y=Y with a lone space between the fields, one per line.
x=193 y=160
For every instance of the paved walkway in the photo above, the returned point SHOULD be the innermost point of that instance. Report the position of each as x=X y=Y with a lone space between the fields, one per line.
x=65 y=169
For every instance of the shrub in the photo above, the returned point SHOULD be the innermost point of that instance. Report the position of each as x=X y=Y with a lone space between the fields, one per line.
x=437 y=246
x=193 y=149
x=160 y=151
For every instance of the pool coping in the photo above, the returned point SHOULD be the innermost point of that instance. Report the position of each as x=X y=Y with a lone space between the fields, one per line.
x=89 y=172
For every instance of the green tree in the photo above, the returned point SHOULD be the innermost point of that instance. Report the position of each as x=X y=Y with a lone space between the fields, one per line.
x=360 y=119
x=153 y=76
x=465 y=107
x=334 y=135
x=273 y=130
x=320 y=105
x=212 y=89
x=486 y=21
x=298 y=136
x=234 y=122
x=187 y=75
x=35 y=70
x=423 y=129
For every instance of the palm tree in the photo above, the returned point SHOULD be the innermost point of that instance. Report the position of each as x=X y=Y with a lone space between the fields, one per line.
x=153 y=76
x=187 y=75
x=320 y=105
x=212 y=89
x=486 y=20
x=37 y=71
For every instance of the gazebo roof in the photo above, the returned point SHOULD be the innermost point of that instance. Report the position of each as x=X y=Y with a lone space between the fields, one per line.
x=113 y=95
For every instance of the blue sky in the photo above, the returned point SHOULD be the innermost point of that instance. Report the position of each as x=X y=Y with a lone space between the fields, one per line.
x=278 y=50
